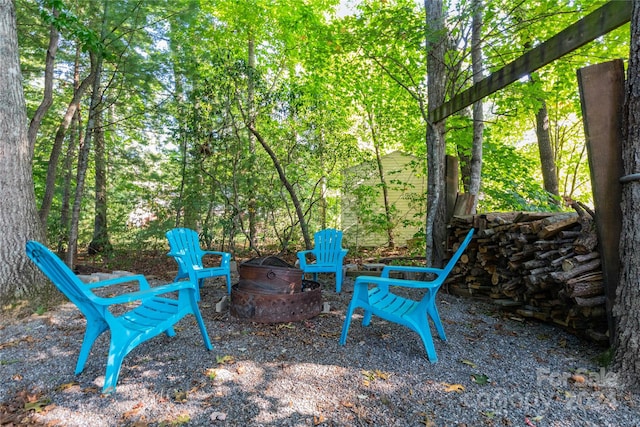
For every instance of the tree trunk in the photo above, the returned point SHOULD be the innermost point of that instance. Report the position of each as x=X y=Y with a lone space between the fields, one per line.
x=47 y=98
x=547 y=157
x=83 y=161
x=252 y=205
x=19 y=277
x=70 y=156
x=290 y=189
x=100 y=241
x=383 y=180
x=52 y=166
x=478 y=114
x=627 y=307
x=435 y=228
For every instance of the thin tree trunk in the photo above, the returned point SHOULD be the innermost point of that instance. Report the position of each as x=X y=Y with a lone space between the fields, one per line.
x=74 y=143
x=383 y=180
x=547 y=157
x=435 y=227
x=252 y=205
x=52 y=166
x=627 y=307
x=19 y=277
x=290 y=189
x=83 y=162
x=100 y=241
x=478 y=114
x=47 y=99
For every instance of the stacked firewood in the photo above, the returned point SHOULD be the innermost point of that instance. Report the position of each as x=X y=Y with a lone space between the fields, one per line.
x=538 y=265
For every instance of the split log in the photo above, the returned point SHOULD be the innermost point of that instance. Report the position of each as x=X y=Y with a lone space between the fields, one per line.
x=585 y=289
x=591 y=301
x=562 y=276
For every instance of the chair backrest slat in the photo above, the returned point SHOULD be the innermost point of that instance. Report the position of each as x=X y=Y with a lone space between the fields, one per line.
x=185 y=242
x=456 y=256
x=327 y=245
x=62 y=277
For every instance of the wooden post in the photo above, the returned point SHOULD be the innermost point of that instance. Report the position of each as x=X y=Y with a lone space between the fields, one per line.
x=602 y=98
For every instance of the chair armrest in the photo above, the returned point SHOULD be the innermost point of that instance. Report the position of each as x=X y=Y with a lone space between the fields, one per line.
x=388 y=281
x=410 y=269
x=302 y=257
x=226 y=256
x=143 y=294
x=142 y=282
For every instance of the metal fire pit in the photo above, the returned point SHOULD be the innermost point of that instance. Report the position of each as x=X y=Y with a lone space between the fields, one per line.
x=270 y=290
x=272 y=308
x=270 y=275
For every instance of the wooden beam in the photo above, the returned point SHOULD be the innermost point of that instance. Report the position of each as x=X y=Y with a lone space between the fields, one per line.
x=603 y=20
x=602 y=99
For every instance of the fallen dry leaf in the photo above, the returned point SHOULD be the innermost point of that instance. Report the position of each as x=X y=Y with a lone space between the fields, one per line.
x=318 y=419
x=458 y=388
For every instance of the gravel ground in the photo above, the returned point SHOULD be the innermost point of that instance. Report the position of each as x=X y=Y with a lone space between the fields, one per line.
x=494 y=370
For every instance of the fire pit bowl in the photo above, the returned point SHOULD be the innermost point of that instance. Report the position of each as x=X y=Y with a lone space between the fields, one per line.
x=270 y=290
x=270 y=275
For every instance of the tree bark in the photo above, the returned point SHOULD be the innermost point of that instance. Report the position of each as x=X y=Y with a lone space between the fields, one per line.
x=252 y=204
x=547 y=157
x=69 y=159
x=290 y=189
x=19 y=277
x=52 y=166
x=435 y=227
x=100 y=241
x=383 y=179
x=478 y=114
x=83 y=161
x=627 y=307
x=47 y=98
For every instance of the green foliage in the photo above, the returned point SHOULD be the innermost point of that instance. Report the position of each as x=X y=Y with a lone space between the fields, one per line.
x=325 y=92
x=509 y=182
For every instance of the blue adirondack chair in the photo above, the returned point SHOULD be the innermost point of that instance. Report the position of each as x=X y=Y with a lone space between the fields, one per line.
x=153 y=313
x=185 y=248
x=379 y=300
x=328 y=253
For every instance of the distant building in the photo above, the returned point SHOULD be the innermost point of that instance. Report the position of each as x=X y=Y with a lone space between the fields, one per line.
x=362 y=204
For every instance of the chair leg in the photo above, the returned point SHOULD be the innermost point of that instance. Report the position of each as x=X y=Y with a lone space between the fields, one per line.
x=338 y=281
x=114 y=363
x=432 y=312
x=93 y=331
x=427 y=340
x=346 y=324
x=228 y=277
x=203 y=329
x=366 y=319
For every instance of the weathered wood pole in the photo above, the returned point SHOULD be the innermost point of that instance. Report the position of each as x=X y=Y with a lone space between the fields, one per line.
x=602 y=98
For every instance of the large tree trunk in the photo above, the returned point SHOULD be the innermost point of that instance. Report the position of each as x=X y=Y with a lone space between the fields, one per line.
x=627 y=308
x=435 y=228
x=19 y=277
